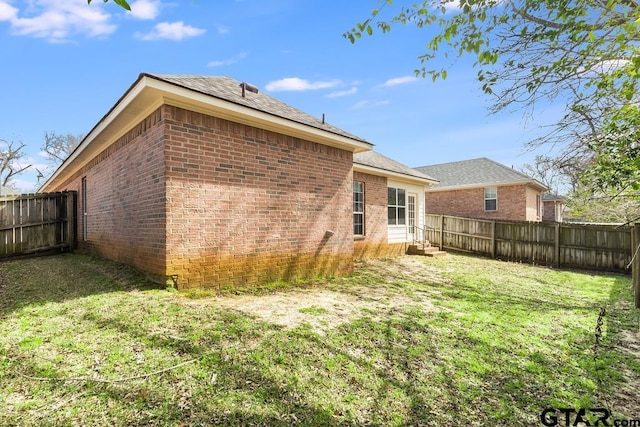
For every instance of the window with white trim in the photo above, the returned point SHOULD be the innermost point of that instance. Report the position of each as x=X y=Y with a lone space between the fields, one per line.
x=358 y=208
x=396 y=206
x=491 y=199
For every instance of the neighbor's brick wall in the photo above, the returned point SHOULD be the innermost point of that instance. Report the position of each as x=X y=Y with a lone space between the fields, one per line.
x=531 y=208
x=249 y=206
x=374 y=243
x=512 y=203
x=126 y=199
x=549 y=210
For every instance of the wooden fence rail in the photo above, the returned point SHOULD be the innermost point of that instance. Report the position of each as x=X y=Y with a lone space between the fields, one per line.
x=593 y=247
x=37 y=223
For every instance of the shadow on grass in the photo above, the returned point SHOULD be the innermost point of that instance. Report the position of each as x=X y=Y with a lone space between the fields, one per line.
x=420 y=378
x=411 y=368
x=58 y=278
x=242 y=394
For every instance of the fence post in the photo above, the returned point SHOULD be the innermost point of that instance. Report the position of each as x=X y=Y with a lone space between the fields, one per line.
x=556 y=251
x=442 y=232
x=71 y=199
x=493 y=239
x=635 y=263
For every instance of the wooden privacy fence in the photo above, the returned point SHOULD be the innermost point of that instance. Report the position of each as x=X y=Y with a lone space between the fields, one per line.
x=593 y=247
x=635 y=263
x=37 y=223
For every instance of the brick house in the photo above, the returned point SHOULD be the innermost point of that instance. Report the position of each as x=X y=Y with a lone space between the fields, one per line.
x=554 y=207
x=394 y=204
x=206 y=182
x=482 y=188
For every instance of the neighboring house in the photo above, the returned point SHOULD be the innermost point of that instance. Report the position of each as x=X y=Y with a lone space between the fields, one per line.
x=205 y=181
x=482 y=188
x=554 y=207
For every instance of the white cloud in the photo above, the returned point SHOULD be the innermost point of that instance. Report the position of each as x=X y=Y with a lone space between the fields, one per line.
x=606 y=66
x=221 y=29
x=296 y=84
x=451 y=5
x=57 y=21
x=226 y=62
x=369 y=104
x=455 y=6
x=24 y=186
x=399 y=81
x=145 y=9
x=7 y=12
x=172 y=31
x=342 y=93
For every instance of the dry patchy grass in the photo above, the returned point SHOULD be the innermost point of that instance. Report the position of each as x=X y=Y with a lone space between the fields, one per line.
x=406 y=341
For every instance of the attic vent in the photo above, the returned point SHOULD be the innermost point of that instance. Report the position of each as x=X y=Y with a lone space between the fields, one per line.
x=247 y=87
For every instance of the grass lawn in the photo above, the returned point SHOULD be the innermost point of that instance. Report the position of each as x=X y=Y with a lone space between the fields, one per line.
x=410 y=341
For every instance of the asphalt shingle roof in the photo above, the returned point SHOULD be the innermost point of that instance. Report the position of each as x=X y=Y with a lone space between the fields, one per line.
x=480 y=171
x=377 y=160
x=229 y=89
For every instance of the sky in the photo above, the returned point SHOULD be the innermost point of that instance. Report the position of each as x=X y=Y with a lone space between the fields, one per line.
x=64 y=64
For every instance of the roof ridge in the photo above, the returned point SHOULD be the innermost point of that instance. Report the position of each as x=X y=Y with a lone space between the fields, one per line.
x=478 y=171
x=450 y=163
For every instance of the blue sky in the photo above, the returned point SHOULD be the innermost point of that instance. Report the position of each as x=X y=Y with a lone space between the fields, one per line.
x=65 y=63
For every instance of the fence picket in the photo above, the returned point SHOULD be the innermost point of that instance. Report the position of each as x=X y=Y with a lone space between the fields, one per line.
x=594 y=247
x=35 y=223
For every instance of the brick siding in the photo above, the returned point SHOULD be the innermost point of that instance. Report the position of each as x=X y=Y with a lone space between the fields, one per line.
x=213 y=203
x=533 y=208
x=248 y=206
x=374 y=243
x=515 y=202
x=126 y=199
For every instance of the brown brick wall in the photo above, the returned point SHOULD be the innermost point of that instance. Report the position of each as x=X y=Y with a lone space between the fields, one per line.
x=549 y=210
x=248 y=206
x=126 y=199
x=532 y=212
x=374 y=243
x=514 y=203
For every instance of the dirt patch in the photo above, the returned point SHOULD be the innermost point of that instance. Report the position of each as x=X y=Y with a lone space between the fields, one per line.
x=324 y=309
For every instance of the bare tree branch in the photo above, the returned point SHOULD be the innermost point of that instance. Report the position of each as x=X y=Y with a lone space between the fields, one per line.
x=11 y=158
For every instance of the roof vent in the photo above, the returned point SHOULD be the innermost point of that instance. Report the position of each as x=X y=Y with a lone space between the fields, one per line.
x=247 y=87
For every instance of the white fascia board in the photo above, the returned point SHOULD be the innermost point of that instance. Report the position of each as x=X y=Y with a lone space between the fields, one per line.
x=97 y=130
x=162 y=92
x=485 y=185
x=395 y=175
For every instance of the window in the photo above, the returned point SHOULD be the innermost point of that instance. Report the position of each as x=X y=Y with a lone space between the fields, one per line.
x=491 y=199
x=396 y=209
x=358 y=208
x=83 y=192
x=538 y=205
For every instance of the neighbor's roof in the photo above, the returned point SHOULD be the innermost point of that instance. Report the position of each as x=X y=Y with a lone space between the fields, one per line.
x=552 y=197
x=213 y=95
x=371 y=159
x=226 y=88
x=476 y=173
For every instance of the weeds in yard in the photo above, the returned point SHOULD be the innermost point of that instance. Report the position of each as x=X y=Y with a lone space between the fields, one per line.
x=408 y=341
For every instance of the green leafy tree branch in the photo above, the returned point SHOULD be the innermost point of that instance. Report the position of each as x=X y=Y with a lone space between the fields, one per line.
x=584 y=54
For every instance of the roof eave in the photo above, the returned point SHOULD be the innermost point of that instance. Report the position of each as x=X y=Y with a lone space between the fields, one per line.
x=392 y=174
x=532 y=183
x=147 y=94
